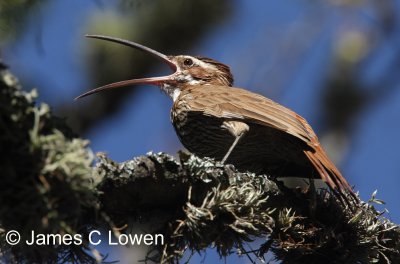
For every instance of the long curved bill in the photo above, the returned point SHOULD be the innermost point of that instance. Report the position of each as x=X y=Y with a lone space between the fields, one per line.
x=152 y=80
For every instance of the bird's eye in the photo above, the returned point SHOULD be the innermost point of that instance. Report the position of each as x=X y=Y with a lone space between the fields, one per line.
x=188 y=62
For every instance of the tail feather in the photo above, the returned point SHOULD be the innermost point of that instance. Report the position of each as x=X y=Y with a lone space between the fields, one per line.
x=331 y=175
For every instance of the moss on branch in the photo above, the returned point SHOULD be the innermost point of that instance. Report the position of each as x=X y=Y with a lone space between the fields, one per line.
x=214 y=205
x=46 y=183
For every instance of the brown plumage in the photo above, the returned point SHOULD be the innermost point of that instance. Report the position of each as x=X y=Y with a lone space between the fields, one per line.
x=234 y=125
x=279 y=141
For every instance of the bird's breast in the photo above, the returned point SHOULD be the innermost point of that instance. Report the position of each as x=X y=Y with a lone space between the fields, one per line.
x=199 y=133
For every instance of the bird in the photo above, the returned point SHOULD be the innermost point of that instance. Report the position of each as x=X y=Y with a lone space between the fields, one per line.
x=234 y=125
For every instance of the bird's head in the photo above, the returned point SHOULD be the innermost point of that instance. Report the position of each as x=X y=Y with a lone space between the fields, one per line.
x=188 y=71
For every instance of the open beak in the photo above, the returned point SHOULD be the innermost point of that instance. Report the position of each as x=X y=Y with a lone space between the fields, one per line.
x=152 y=80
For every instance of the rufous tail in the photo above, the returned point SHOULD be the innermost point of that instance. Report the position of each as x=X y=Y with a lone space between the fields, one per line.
x=332 y=176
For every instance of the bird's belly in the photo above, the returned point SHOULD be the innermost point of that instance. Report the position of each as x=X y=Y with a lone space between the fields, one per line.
x=204 y=136
x=261 y=150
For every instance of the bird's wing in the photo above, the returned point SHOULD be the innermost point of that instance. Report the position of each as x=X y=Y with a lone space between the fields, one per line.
x=240 y=104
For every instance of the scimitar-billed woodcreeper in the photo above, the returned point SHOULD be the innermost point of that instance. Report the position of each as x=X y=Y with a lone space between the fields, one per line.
x=236 y=126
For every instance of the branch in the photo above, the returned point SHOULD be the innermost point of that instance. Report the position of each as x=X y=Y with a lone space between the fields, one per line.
x=48 y=185
x=46 y=182
x=227 y=209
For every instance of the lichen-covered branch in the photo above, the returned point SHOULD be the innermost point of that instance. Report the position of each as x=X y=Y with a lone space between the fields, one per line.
x=227 y=209
x=48 y=185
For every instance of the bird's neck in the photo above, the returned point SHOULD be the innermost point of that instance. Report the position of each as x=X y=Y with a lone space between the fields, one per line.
x=172 y=91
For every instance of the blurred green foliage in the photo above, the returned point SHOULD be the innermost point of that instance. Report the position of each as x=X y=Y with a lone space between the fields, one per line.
x=13 y=15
